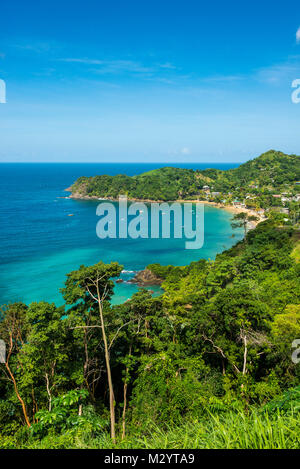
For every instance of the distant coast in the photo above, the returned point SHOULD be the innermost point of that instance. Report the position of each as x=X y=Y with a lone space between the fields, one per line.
x=263 y=187
x=230 y=208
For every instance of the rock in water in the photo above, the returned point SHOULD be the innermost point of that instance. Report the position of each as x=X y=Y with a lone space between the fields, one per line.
x=146 y=277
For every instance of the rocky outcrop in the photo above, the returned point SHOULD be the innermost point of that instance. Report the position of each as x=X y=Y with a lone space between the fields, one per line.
x=146 y=277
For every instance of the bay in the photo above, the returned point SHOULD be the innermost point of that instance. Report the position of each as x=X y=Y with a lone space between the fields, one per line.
x=40 y=242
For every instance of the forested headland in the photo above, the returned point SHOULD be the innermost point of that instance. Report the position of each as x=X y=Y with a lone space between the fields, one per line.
x=254 y=183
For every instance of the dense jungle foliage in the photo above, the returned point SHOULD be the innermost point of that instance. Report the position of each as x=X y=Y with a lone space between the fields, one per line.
x=208 y=364
x=271 y=172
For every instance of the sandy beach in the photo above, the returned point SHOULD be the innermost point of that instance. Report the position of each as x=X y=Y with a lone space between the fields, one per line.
x=230 y=208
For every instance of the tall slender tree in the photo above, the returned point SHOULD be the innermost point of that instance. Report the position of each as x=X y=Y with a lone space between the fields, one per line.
x=93 y=286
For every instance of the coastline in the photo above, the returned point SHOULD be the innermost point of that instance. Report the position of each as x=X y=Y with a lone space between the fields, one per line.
x=230 y=208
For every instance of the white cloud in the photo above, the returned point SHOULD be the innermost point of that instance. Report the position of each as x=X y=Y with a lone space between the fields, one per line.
x=168 y=66
x=185 y=151
x=279 y=73
x=298 y=35
x=119 y=66
x=112 y=66
x=38 y=47
x=83 y=61
x=223 y=78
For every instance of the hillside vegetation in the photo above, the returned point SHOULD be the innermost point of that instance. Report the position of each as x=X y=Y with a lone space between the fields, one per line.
x=269 y=173
x=208 y=364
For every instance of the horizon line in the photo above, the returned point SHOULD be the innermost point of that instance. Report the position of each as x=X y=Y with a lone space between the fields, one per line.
x=120 y=162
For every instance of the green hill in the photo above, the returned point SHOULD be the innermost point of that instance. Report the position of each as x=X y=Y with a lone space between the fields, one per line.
x=273 y=168
x=272 y=171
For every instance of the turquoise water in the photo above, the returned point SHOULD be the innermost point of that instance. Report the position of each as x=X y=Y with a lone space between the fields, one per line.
x=40 y=243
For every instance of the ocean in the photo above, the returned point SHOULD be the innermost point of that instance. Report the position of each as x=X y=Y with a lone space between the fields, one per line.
x=40 y=243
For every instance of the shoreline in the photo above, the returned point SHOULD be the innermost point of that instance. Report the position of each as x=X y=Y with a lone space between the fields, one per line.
x=230 y=208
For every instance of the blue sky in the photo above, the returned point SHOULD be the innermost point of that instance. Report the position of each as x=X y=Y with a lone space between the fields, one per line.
x=148 y=80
